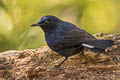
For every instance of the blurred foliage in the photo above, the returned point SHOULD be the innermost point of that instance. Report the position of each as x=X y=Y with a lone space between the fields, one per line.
x=17 y=15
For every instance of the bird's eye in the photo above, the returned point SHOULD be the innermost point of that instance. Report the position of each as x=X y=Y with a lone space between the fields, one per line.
x=46 y=22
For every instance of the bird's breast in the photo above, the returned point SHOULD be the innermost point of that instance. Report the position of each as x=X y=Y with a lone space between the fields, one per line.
x=55 y=36
x=53 y=40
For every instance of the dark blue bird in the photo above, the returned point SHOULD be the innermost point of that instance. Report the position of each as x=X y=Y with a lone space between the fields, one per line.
x=66 y=39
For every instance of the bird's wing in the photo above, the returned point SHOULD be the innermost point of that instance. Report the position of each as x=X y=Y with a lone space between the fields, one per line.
x=76 y=37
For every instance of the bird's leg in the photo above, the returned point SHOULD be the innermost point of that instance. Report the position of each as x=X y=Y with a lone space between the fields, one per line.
x=82 y=52
x=57 y=66
x=86 y=58
x=81 y=48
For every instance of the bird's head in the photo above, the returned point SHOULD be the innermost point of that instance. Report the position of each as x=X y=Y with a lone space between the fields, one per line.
x=47 y=22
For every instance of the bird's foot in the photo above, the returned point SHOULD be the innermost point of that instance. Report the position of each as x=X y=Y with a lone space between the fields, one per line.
x=118 y=59
x=58 y=67
x=85 y=62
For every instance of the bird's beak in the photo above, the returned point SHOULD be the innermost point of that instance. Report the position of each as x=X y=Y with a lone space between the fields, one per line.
x=40 y=22
x=35 y=25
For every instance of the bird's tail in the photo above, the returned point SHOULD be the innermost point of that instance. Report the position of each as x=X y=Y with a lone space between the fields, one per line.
x=98 y=46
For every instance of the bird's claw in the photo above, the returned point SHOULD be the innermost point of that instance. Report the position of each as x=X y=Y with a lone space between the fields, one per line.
x=118 y=59
x=57 y=67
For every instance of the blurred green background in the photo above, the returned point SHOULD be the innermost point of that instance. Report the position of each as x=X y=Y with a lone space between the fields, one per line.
x=16 y=16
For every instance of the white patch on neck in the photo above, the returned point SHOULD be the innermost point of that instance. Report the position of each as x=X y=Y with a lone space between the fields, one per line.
x=86 y=45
